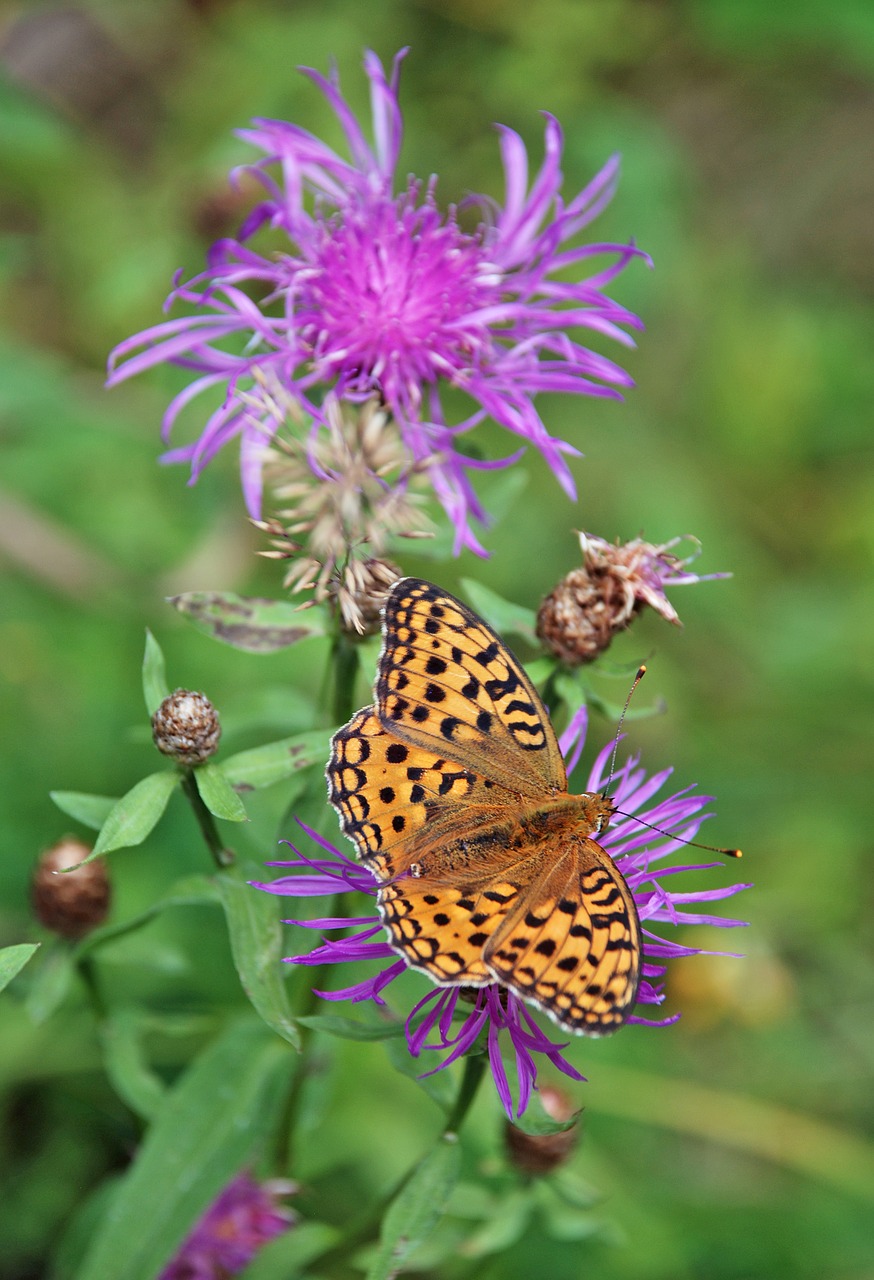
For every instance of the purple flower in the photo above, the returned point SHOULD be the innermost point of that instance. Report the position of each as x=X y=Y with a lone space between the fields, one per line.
x=232 y=1230
x=378 y=294
x=444 y=1020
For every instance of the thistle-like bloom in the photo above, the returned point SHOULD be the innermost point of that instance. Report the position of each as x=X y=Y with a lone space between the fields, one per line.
x=378 y=293
x=244 y=1217
x=455 y=1020
x=615 y=582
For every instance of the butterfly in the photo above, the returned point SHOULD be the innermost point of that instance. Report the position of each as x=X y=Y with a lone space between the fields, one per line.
x=452 y=788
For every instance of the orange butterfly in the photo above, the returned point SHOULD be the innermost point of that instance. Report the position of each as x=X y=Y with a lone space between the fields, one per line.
x=453 y=790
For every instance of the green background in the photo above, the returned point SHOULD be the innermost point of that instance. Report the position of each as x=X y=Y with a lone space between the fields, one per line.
x=746 y=133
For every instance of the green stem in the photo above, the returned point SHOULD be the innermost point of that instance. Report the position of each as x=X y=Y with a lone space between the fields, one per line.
x=367 y=1226
x=222 y=856
x=88 y=974
x=474 y=1070
x=345 y=660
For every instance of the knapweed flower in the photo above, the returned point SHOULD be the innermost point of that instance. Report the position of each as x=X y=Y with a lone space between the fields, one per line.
x=455 y=1020
x=244 y=1217
x=377 y=292
x=615 y=582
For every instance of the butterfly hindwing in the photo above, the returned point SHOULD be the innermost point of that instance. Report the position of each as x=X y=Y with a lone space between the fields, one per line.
x=572 y=946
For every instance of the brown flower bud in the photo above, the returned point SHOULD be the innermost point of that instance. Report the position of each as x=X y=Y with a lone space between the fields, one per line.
x=70 y=903
x=537 y=1155
x=186 y=727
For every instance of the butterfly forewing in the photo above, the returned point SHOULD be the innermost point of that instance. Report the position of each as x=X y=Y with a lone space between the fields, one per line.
x=446 y=681
x=397 y=801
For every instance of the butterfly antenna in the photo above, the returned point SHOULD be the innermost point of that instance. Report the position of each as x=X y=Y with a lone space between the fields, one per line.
x=641 y=672
x=671 y=835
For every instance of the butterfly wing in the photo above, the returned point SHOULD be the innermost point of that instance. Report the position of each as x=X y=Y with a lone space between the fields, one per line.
x=571 y=945
x=401 y=804
x=447 y=683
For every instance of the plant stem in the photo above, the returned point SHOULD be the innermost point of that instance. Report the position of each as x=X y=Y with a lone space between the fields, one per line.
x=474 y=1070
x=222 y=856
x=345 y=661
x=367 y=1225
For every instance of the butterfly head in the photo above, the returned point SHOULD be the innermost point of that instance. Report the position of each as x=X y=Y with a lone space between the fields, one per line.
x=599 y=810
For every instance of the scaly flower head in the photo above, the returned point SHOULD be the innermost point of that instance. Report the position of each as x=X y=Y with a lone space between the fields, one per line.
x=454 y=1020
x=379 y=292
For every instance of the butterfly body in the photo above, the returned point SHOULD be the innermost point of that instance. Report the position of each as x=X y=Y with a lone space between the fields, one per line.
x=453 y=791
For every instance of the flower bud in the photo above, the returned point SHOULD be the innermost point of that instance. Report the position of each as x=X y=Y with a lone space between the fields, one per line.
x=70 y=903
x=186 y=727
x=540 y=1154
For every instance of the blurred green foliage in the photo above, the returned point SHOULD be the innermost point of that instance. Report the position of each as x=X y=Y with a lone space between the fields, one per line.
x=746 y=130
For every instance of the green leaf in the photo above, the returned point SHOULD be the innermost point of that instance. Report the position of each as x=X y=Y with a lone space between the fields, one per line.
x=155 y=688
x=50 y=982
x=276 y=761
x=129 y=1073
x=506 y=617
x=439 y=1087
x=217 y=793
x=133 y=816
x=539 y=1124
x=334 y=1024
x=249 y=622
x=256 y=945
x=417 y=1208
x=196 y=890
x=213 y=1122
x=288 y=1256
x=505 y=1225
x=13 y=959
x=92 y=811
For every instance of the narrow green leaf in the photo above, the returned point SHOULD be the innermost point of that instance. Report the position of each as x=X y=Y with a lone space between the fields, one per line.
x=129 y=1073
x=417 y=1208
x=334 y=1024
x=133 y=816
x=504 y=1226
x=50 y=982
x=249 y=622
x=506 y=617
x=193 y=890
x=155 y=688
x=439 y=1087
x=289 y=1255
x=13 y=959
x=256 y=945
x=276 y=761
x=212 y=1123
x=92 y=811
x=217 y=793
x=539 y=1124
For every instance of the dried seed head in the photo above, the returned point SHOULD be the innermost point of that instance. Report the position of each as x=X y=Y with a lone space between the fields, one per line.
x=359 y=593
x=591 y=604
x=74 y=903
x=537 y=1155
x=345 y=492
x=186 y=727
